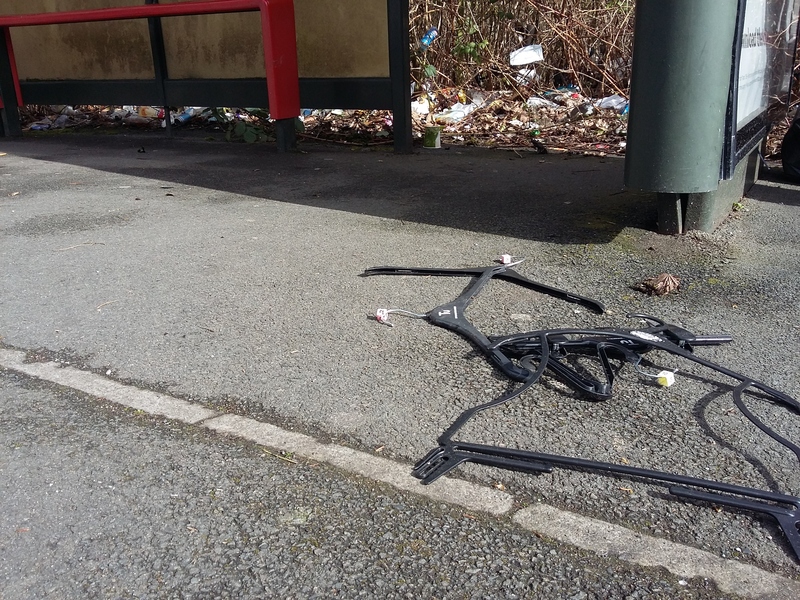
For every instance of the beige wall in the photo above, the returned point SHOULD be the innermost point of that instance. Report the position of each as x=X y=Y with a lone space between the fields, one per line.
x=335 y=38
x=342 y=38
x=82 y=50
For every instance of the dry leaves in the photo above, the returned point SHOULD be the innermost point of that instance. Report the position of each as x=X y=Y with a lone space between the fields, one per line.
x=660 y=285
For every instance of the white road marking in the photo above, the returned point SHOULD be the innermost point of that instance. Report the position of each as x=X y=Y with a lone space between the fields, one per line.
x=590 y=534
x=85 y=381
x=607 y=539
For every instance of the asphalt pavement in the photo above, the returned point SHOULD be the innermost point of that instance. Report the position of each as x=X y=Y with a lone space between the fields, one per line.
x=227 y=277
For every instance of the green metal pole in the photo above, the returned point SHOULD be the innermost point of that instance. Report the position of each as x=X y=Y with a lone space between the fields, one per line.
x=682 y=62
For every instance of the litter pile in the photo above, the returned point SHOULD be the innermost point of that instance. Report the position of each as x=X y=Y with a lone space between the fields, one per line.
x=562 y=119
x=557 y=120
x=59 y=116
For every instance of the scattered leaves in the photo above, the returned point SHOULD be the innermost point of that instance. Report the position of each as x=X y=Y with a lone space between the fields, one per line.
x=660 y=285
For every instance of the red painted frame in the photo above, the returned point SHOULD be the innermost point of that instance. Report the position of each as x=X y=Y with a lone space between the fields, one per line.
x=277 y=32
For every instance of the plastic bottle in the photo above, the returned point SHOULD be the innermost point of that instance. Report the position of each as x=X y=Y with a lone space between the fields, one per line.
x=428 y=38
x=187 y=114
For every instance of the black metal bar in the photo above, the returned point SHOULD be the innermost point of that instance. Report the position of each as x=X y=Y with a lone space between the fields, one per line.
x=159 y=64
x=367 y=93
x=586 y=464
x=439 y=461
x=400 y=73
x=452 y=315
x=729 y=160
x=285 y=135
x=352 y=93
x=500 y=272
x=787 y=519
x=120 y=91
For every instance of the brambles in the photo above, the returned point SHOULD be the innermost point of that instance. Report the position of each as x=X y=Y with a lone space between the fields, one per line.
x=588 y=43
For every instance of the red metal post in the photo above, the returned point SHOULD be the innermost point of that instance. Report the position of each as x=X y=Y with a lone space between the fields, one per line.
x=13 y=62
x=280 y=58
x=120 y=13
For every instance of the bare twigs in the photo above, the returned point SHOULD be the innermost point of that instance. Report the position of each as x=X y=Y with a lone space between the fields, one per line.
x=586 y=42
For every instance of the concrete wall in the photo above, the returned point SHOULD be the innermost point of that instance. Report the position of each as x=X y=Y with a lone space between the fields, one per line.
x=335 y=39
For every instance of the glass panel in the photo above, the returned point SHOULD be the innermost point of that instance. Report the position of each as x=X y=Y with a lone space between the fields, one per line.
x=766 y=59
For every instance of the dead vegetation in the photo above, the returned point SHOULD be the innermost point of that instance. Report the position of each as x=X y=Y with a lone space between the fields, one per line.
x=586 y=43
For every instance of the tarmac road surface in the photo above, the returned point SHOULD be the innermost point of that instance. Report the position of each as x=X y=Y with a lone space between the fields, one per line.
x=225 y=277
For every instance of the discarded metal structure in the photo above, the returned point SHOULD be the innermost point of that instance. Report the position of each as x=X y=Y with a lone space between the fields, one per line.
x=524 y=357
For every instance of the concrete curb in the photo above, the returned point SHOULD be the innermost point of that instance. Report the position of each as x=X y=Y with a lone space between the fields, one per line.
x=597 y=536
x=606 y=539
x=454 y=491
x=150 y=402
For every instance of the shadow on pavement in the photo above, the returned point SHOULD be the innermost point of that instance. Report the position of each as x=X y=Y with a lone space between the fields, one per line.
x=548 y=197
x=773 y=187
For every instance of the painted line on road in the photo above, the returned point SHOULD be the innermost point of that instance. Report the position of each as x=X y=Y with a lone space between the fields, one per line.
x=597 y=536
x=454 y=491
x=607 y=539
x=95 y=385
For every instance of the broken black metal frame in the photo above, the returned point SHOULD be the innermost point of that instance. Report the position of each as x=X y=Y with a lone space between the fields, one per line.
x=524 y=358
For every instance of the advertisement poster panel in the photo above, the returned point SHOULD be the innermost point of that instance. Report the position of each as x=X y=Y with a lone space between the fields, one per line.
x=763 y=61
